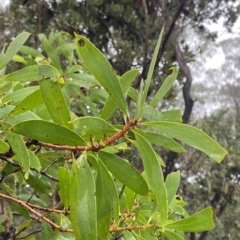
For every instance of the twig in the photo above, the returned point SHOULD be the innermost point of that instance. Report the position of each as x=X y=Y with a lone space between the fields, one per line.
x=129 y=228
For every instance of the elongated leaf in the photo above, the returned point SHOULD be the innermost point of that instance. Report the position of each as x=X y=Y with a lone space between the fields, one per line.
x=14 y=48
x=166 y=86
x=124 y=172
x=4 y=147
x=198 y=222
x=83 y=202
x=140 y=102
x=30 y=51
x=172 y=183
x=64 y=185
x=48 y=132
x=152 y=65
x=18 y=146
x=151 y=114
x=22 y=117
x=93 y=126
x=31 y=101
x=193 y=137
x=34 y=161
x=107 y=200
x=50 y=51
x=125 y=81
x=172 y=235
x=154 y=176
x=161 y=140
x=5 y=88
x=99 y=66
x=32 y=73
x=55 y=102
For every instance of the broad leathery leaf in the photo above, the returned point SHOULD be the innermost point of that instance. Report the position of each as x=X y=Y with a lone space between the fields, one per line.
x=156 y=183
x=55 y=102
x=93 y=126
x=29 y=102
x=172 y=235
x=48 y=132
x=18 y=146
x=152 y=66
x=198 y=222
x=4 y=147
x=64 y=185
x=193 y=137
x=125 y=81
x=172 y=183
x=34 y=161
x=19 y=95
x=161 y=140
x=165 y=87
x=33 y=73
x=101 y=69
x=50 y=51
x=83 y=202
x=107 y=200
x=13 y=48
x=124 y=172
x=151 y=114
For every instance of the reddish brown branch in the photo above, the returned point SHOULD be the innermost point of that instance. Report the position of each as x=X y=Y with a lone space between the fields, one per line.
x=129 y=228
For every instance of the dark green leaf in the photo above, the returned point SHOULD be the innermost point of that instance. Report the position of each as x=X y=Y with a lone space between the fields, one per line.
x=124 y=172
x=48 y=132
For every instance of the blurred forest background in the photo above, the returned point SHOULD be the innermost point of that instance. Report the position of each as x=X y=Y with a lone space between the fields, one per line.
x=127 y=31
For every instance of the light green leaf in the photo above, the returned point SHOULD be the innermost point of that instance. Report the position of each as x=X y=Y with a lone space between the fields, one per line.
x=151 y=114
x=161 y=140
x=22 y=117
x=55 y=102
x=107 y=200
x=132 y=93
x=64 y=185
x=166 y=86
x=156 y=183
x=33 y=73
x=124 y=172
x=172 y=235
x=125 y=81
x=198 y=222
x=172 y=183
x=152 y=66
x=30 y=51
x=31 y=101
x=101 y=69
x=34 y=161
x=18 y=146
x=83 y=202
x=130 y=197
x=4 y=88
x=140 y=102
x=13 y=48
x=48 y=132
x=193 y=137
x=93 y=126
x=4 y=147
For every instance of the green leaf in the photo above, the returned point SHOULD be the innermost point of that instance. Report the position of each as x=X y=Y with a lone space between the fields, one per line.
x=172 y=235
x=22 y=117
x=152 y=66
x=125 y=81
x=55 y=102
x=13 y=48
x=156 y=183
x=151 y=114
x=101 y=69
x=82 y=201
x=31 y=101
x=4 y=88
x=93 y=126
x=107 y=200
x=30 y=51
x=34 y=161
x=140 y=102
x=172 y=183
x=64 y=185
x=4 y=147
x=18 y=146
x=192 y=136
x=33 y=73
x=198 y=222
x=50 y=51
x=48 y=132
x=166 y=86
x=161 y=140
x=124 y=172
x=132 y=93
